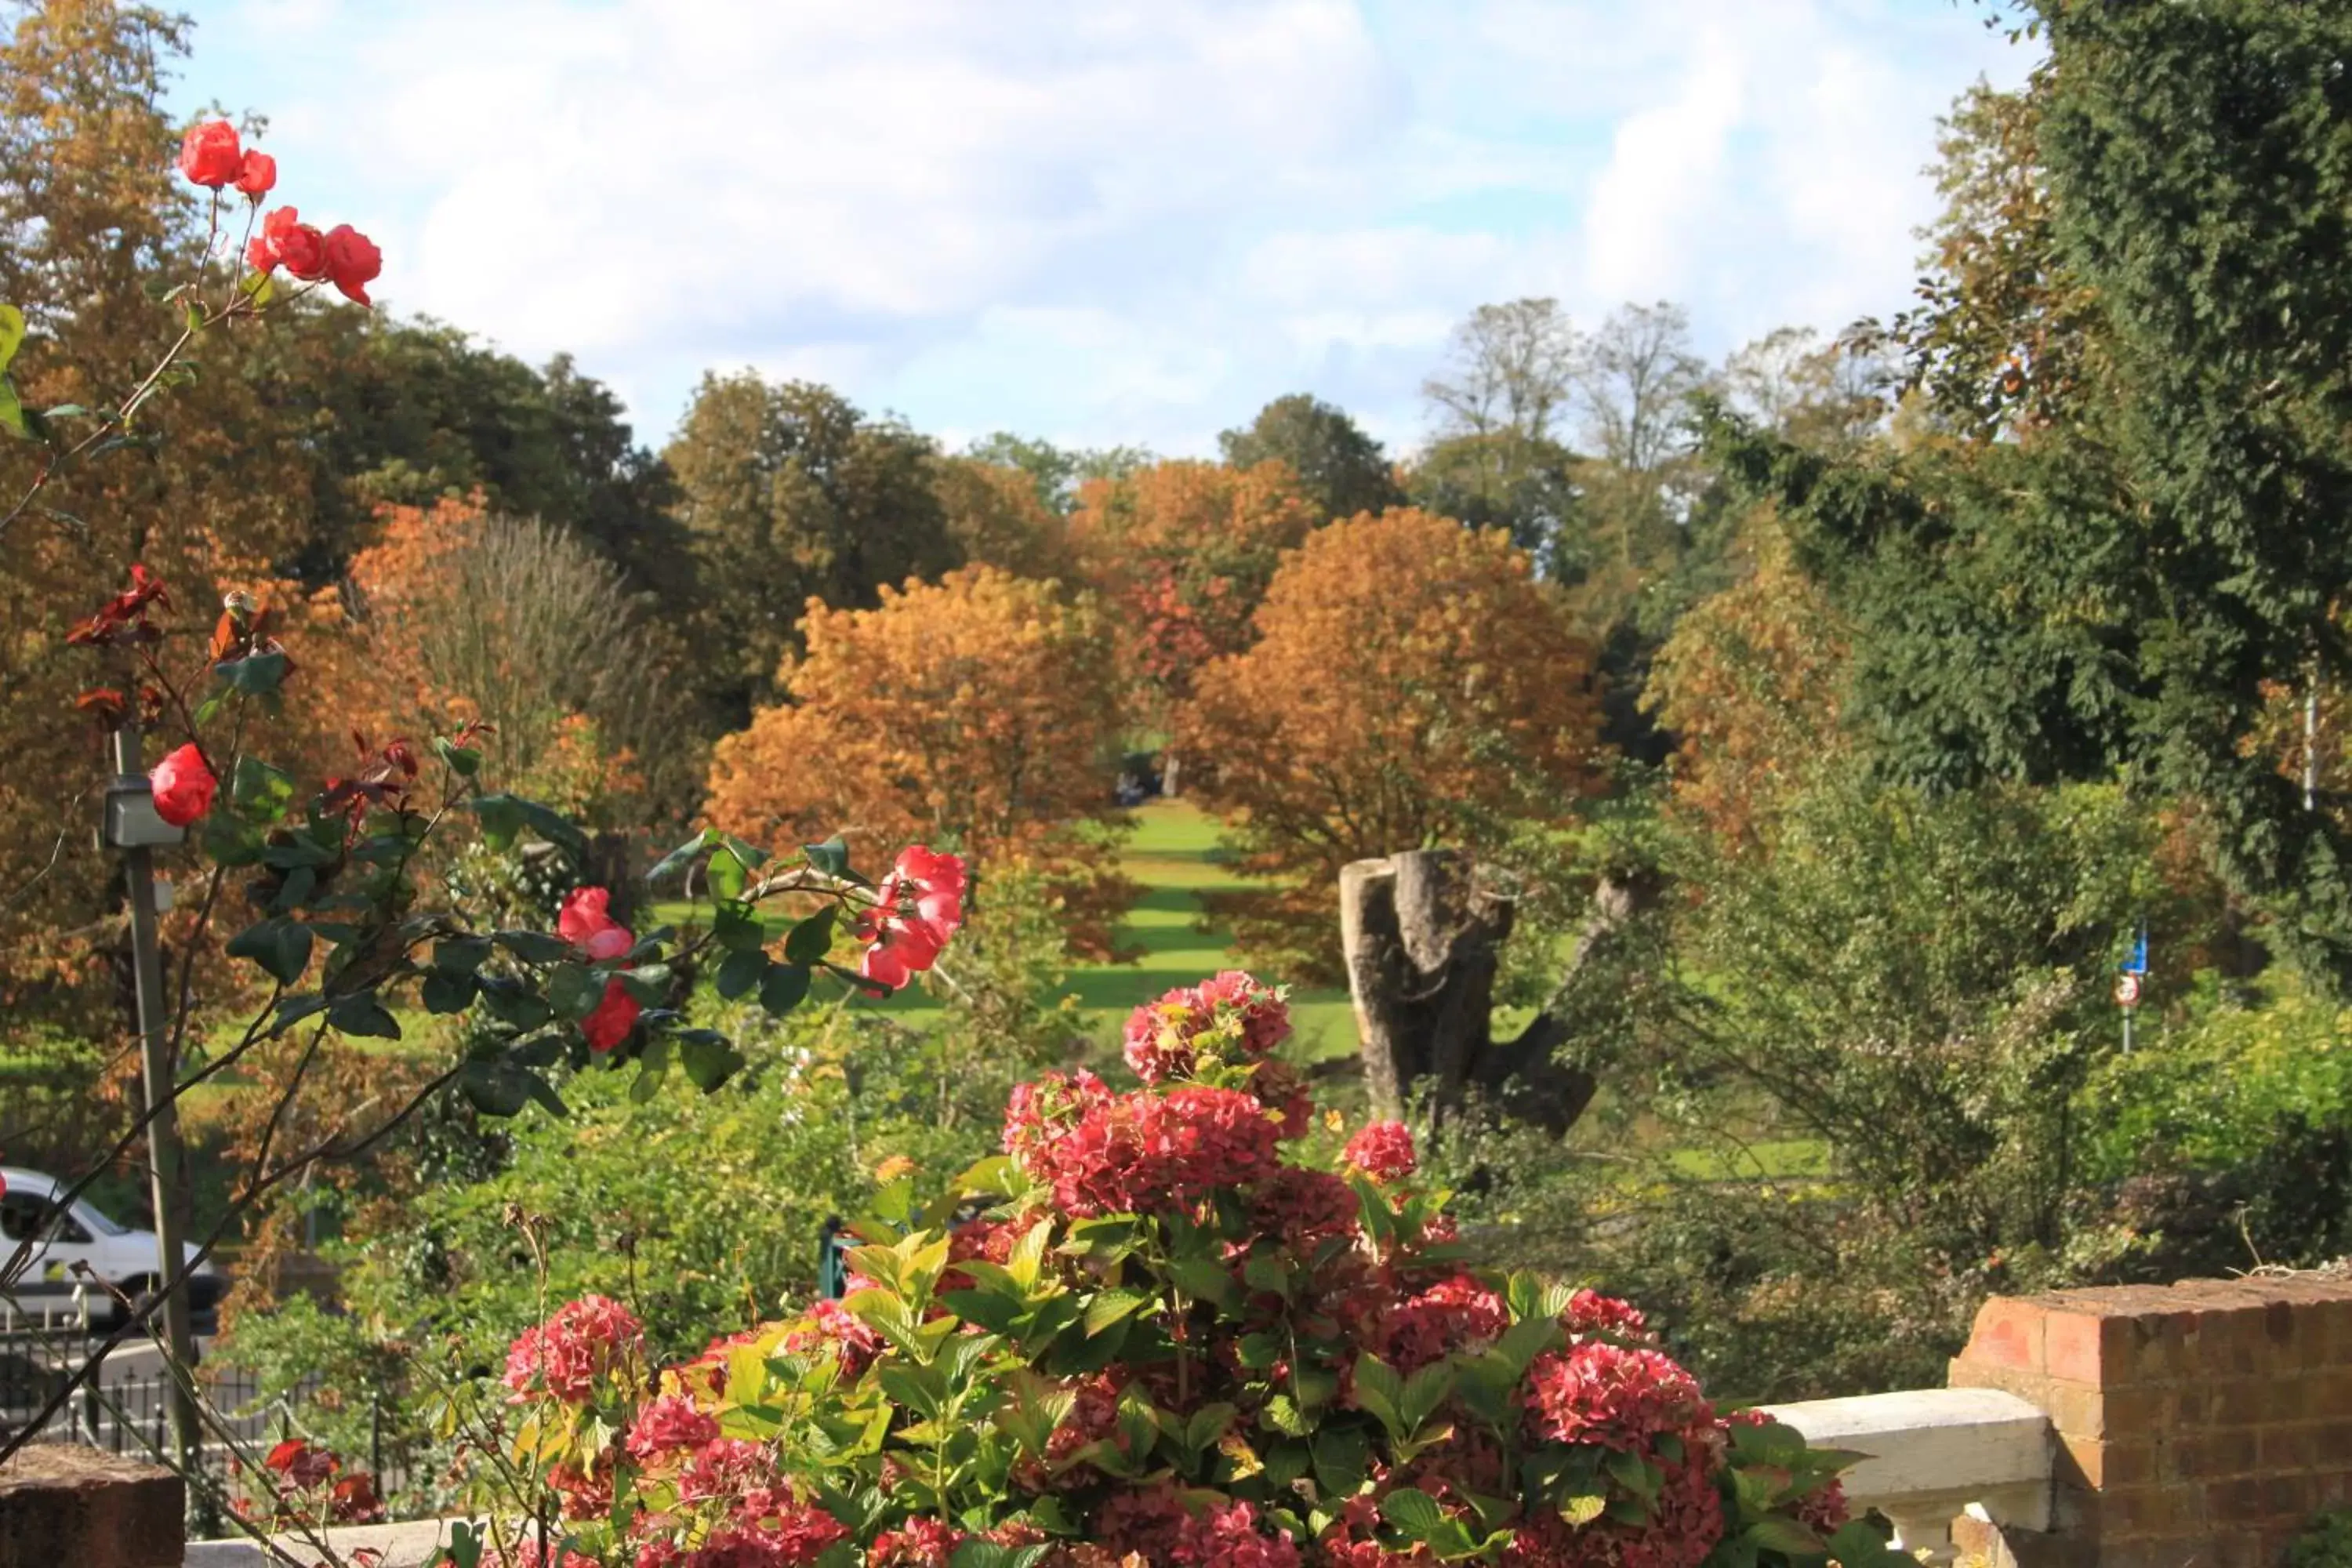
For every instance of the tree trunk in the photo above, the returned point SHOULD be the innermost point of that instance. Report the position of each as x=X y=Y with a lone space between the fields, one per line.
x=1422 y=942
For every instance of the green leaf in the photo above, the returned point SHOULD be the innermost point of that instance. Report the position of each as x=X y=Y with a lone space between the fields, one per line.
x=12 y=333
x=680 y=858
x=1342 y=1454
x=726 y=875
x=708 y=1059
x=460 y=954
x=810 y=941
x=1414 y=1511
x=255 y=675
x=464 y=761
x=444 y=994
x=832 y=857
x=231 y=842
x=738 y=972
x=573 y=992
x=282 y=947
x=503 y=1089
x=12 y=412
x=647 y=984
x=66 y=411
x=1111 y=1307
x=785 y=988
x=515 y=1005
x=504 y=817
x=1208 y=1423
x=1583 y=1508
x=259 y=792
x=364 y=1016
x=533 y=946
x=1777 y=1533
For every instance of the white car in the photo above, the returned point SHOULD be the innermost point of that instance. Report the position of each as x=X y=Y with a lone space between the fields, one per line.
x=81 y=1233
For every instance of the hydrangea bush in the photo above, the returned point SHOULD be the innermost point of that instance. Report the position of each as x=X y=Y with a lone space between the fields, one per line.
x=1143 y=1336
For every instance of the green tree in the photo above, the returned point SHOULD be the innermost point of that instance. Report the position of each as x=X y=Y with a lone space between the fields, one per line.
x=2128 y=587
x=1342 y=470
x=406 y=413
x=789 y=493
x=1058 y=471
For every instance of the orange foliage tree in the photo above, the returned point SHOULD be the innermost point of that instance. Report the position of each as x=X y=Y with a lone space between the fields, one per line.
x=1412 y=686
x=1750 y=682
x=1185 y=550
x=981 y=712
x=467 y=616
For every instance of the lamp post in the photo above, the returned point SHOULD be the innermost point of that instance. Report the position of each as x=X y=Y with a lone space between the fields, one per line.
x=133 y=827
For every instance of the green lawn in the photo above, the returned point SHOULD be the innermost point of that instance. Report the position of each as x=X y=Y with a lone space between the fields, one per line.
x=1172 y=855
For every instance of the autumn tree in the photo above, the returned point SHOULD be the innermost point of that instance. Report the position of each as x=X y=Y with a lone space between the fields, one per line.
x=981 y=712
x=996 y=517
x=1749 y=685
x=1412 y=686
x=1183 y=550
x=788 y=493
x=1341 y=469
x=214 y=495
x=466 y=616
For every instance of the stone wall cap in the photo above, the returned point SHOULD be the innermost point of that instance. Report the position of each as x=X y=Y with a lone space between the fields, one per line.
x=53 y=1464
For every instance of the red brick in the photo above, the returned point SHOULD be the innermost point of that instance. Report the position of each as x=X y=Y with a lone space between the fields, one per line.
x=2128 y=1511
x=2098 y=1466
x=2216 y=1455
x=2292 y=1449
x=2008 y=1332
x=2070 y=1345
x=2240 y=1501
x=2289 y=1497
x=2329 y=1394
x=2258 y=1402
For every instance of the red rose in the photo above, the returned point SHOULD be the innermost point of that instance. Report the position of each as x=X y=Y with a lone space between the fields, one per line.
x=256 y=173
x=586 y=925
x=209 y=154
x=352 y=262
x=286 y=241
x=184 y=787
x=615 y=1016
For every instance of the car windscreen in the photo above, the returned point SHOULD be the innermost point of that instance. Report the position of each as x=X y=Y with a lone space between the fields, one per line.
x=104 y=1223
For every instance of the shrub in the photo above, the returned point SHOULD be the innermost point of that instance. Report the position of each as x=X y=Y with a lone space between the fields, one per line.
x=1149 y=1339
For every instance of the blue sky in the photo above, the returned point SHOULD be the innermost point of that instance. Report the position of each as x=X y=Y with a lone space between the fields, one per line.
x=1098 y=221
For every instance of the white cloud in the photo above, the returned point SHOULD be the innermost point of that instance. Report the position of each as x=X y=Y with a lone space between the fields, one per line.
x=1106 y=220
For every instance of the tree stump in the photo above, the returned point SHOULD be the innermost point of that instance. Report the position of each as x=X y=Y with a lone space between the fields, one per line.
x=1422 y=940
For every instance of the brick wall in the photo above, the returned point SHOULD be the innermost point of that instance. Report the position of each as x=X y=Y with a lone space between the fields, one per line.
x=2203 y=1423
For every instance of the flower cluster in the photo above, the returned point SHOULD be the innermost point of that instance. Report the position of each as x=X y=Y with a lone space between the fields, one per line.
x=1229 y=1015
x=1144 y=1153
x=1382 y=1151
x=1164 y=1346
x=565 y=1358
x=918 y=907
x=210 y=156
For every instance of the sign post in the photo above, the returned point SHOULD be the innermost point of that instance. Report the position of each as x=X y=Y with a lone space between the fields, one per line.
x=133 y=827
x=2131 y=978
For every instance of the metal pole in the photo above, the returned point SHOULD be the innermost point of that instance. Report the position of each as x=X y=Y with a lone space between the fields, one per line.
x=2310 y=742
x=166 y=1172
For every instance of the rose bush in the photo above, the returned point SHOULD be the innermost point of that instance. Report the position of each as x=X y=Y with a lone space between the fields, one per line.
x=1142 y=1338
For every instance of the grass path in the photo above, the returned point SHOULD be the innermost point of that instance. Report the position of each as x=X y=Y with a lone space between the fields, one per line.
x=1173 y=854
